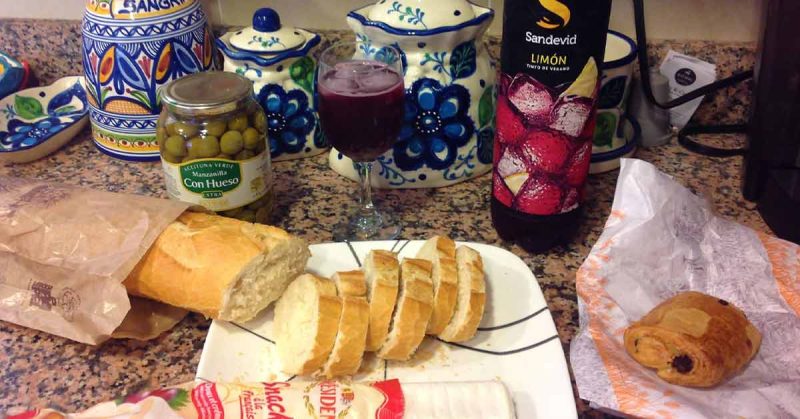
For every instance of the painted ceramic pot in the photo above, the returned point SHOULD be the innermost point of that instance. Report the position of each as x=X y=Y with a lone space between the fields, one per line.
x=13 y=75
x=277 y=59
x=130 y=50
x=448 y=129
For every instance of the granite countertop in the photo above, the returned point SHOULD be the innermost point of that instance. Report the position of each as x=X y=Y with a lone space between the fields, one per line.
x=44 y=370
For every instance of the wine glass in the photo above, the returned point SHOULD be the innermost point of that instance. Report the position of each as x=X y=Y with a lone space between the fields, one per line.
x=361 y=100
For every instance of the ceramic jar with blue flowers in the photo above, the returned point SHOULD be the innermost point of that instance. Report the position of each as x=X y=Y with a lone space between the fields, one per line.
x=448 y=125
x=277 y=59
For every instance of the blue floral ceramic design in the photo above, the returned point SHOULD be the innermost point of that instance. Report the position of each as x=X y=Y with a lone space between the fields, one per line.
x=289 y=118
x=436 y=124
x=22 y=134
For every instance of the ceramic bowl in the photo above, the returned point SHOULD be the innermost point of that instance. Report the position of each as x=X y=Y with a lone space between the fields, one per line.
x=38 y=121
x=13 y=74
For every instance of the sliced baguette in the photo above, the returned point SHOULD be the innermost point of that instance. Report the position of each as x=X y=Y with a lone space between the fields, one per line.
x=382 y=272
x=305 y=324
x=471 y=297
x=441 y=252
x=223 y=268
x=348 y=349
x=413 y=311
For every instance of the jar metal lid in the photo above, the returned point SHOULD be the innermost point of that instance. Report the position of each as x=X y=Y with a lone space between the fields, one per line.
x=207 y=93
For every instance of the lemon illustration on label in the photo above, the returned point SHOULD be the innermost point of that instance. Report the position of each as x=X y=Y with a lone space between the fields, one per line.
x=515 y=181
x=585 y=83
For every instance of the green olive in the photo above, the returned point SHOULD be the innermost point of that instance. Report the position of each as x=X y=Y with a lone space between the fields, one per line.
x=176 y=146
x=231 y=142
x=260 y=122
x=245 y=154
x=262 y=215
x=247 y=215
x=166 y=155
x=185 y=129
x=234 y=213
x=204 y=147
x=171 y=129
x=224 y=156
x=188 y=158
x=238 y=123
x=252 y=138
x=216 y=128
x=161 y=135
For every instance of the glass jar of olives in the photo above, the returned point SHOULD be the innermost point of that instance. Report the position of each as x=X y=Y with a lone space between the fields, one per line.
x=212 y=137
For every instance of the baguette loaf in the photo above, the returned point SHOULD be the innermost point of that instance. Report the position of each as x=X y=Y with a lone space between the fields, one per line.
x=382 y=273
x=471 y=297
x=413 y=311
x=348 y=349
x=221 y=267
x=441 y=252
x=305 y=324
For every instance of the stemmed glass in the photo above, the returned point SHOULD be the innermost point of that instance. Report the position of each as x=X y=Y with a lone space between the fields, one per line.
x=361 y=110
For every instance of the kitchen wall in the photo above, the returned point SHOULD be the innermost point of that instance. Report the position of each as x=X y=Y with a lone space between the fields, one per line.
x=718 y=20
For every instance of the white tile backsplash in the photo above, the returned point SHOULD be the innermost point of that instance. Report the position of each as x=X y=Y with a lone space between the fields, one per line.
x=719 y=20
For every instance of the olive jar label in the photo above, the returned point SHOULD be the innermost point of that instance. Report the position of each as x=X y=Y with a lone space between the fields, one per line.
x=219 y=184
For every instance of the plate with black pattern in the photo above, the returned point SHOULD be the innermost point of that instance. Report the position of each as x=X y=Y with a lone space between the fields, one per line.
x=516 y=342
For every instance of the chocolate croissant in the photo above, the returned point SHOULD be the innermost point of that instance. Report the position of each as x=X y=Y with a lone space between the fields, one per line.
x=693 y=339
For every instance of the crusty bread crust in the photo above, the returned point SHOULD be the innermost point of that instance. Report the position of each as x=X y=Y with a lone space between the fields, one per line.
x=198 y=258
x=306 y=360
x=384 y=271
x=414 y=307
x=441 y=252
x=348 y=350
x=471 y=297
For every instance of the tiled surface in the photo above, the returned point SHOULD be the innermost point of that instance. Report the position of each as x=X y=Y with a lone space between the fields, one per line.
x=43 y=370
x=717 y=20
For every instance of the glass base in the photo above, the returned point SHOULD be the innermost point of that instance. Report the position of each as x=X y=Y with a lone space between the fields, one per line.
x=367 y=226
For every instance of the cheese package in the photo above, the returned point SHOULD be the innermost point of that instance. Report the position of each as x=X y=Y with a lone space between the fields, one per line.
x=300 y=400
x=319 y=400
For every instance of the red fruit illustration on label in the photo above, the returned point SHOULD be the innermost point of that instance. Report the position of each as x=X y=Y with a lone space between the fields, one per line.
x=504 y=80
x=546 y=151
x=510 y=162
x=578 y=166
x=508 y=124
x=175 y=397
x=501 y=191
x=532 y=99
x=571 y=200
x=588 y=129
x=539 y=196
x=570 y=115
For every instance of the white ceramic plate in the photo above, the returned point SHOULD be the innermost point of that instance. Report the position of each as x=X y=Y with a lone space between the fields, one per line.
x=517 y=343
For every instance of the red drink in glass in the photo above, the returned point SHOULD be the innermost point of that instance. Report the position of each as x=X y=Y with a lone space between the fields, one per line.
x=361 y=107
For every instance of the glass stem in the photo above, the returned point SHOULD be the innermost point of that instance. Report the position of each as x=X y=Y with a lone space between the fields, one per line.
x=364 y=171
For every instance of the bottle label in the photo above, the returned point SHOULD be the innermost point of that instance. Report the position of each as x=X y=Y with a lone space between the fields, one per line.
x=546 y=102
x=219 y=184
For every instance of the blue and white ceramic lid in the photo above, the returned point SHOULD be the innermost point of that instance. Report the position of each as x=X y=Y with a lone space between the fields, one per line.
x=421 y=14
x=267 y=35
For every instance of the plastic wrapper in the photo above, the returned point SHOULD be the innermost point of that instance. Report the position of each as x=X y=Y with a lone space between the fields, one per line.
x=661 y=240
x=305 y=400
x=317 y=400
x=64 y=252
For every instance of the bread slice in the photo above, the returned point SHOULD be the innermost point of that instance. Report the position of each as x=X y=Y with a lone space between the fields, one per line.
x=382 y=272
x=441 y=252
x=305 y=324
x=471 y=297
x=224 y=268
x=348 y=349
x=413 y=311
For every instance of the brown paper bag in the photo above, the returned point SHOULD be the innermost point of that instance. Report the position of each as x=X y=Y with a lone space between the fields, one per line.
x=64 y=252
